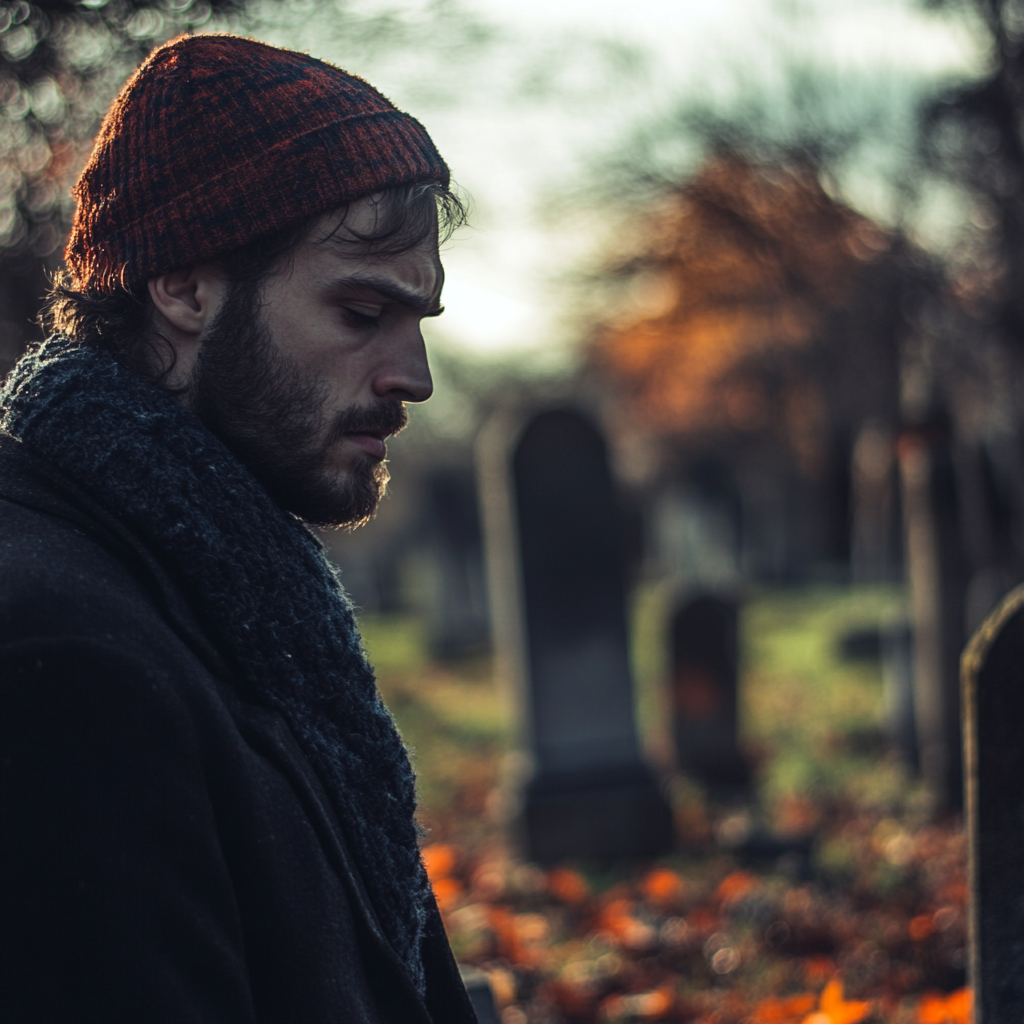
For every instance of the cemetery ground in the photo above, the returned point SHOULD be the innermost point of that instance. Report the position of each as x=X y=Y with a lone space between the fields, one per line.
x=835 y=897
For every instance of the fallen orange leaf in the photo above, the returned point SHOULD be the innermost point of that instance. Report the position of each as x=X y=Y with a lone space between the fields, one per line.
x=617 y=919
x=834 y=1009
x=931 y=1009
x=935 y=1008
x=446 y=892
x=781 y=1011
x=641 y=1006
x=504 y=927
x=960 y=1006
x=662 y=886
x=735 y=886
x=520 y=937
x=439 y=860
x=567 y=886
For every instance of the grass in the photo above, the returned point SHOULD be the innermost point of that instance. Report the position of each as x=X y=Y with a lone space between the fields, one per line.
x=816 y=720
x=813 y=722
x=452 y=717
x=701 y=935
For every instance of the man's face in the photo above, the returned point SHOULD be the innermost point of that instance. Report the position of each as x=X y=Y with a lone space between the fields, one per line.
x=305 y=379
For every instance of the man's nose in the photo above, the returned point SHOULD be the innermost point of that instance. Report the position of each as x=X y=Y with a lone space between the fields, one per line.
x=405 y=377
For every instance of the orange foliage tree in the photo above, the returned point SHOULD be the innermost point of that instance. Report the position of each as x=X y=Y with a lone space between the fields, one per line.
x=759 y=304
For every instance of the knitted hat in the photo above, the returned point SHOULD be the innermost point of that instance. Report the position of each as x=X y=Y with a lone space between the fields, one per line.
x=216 y=140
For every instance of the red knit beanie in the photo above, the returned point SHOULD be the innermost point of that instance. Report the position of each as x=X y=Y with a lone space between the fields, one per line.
x=216 y=140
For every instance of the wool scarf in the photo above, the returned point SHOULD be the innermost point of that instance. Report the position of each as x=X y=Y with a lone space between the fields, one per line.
x=260 y=582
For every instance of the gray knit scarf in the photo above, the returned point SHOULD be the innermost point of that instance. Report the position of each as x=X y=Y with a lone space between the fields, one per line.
x=259 y=580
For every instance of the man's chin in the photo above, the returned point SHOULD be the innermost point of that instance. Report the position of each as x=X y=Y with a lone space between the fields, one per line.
x=340 y=498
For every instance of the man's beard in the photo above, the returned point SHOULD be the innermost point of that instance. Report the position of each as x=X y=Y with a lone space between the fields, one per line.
x=271 y=415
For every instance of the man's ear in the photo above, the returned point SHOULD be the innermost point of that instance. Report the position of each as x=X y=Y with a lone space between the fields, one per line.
x=188 y=300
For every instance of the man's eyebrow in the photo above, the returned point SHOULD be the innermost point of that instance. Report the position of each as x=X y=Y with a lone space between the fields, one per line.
x=418 y=302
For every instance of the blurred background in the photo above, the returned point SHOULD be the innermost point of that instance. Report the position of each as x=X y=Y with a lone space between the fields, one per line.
x=773 y=253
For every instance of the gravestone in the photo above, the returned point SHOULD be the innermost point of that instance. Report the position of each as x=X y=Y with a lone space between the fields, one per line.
x=481 y=995
x=897 y=650
x=934 y=562
x=993 y=700
x=705 y=678
x=457 y=614
x=558 y=576
x=873 y=548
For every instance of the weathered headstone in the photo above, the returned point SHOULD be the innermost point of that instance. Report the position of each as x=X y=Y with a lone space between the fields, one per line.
x=705 y=679
x=457 y=613
x=558 y=582
x=993 y=699
x=935 y=575
x=481 y=995
x=873 y=544
x=897 y=650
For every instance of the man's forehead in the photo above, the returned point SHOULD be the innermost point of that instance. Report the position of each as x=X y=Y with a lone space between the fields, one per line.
x=417 y=296
x=413 y=278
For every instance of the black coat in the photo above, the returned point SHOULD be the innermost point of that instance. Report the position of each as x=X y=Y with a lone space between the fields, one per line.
x=167 y=853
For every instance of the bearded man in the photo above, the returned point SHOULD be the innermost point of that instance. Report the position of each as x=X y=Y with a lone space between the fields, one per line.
x=207 y=812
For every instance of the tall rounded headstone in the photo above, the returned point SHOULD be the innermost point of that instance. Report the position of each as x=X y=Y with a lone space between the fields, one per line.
x=933 y=547
x=993 y=699
x=705 y=683
x=556 y=537
x=457 y=614
x=897 y=651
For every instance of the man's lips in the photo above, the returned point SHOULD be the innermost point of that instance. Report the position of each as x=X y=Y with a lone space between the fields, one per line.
x=370 y=443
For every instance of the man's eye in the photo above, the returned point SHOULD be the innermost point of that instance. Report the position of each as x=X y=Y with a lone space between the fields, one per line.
x=356 y=319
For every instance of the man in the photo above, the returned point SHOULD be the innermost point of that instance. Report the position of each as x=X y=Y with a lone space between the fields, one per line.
x=207 y=811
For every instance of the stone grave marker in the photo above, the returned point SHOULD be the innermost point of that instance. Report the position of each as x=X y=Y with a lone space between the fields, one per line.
x=457 y=615
x=557 y=570
x=993 y=700
x=481 y=996
x=933 y=551
x=705 y=676
x=897 y=650
x=891 y=645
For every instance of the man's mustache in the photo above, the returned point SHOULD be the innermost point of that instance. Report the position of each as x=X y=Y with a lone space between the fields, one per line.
x=383 y=418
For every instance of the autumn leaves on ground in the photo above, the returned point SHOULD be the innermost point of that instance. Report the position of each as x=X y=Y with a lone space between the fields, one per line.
x=850 y=909
x=710 y=940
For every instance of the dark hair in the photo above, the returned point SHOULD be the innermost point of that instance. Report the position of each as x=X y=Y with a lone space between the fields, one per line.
x=121 y=323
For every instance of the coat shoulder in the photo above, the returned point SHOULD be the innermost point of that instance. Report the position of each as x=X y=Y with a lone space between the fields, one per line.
x=66 y=567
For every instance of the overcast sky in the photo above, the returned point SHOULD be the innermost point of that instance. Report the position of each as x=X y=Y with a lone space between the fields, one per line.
x=532 y=116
